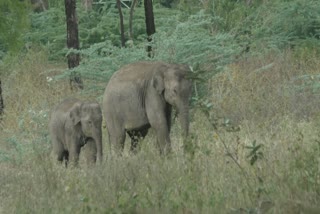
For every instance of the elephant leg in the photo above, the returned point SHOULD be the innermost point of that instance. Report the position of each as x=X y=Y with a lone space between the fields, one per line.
x=168 y=115
x=90 y=150
x=74 y=153
x=66 y=158
x=58 y=151
x=60 y=155
x=163 y=141
x=117 y=139
x=134 y=140
x=159 y=122
x=136 y=136
x=63 y=155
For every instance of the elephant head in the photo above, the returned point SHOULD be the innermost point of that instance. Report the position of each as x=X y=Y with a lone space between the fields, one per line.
x=87 y=117
x=172 y=83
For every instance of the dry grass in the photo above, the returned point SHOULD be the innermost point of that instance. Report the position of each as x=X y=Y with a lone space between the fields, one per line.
x=265 y=90
x=256 y=94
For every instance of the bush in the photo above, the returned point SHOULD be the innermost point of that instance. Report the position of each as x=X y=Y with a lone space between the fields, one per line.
x=48 y=29
x=13 y=23
x=279 y=25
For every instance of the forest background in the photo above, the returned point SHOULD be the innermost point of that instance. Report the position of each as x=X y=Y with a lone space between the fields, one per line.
x=255 y=115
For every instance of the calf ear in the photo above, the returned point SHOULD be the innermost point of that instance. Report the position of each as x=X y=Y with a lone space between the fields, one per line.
x=75 y=114
x=158 y=82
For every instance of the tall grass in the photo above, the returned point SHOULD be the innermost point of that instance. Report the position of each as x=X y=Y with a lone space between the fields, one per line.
x=261 y=96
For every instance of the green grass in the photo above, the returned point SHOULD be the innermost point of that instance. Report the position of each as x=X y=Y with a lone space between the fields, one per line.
x=220 y=177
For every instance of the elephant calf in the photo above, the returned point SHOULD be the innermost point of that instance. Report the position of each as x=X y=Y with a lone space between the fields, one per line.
x=74 y=123
x=141 y=95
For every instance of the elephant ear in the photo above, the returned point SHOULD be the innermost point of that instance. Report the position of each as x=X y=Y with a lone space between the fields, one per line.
x=75 y=115
x=158 y=82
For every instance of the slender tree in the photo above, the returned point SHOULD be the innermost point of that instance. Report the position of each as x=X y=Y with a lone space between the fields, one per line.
x=131 y=18
x=150 y=26
x=123 y=41
x=73 y=43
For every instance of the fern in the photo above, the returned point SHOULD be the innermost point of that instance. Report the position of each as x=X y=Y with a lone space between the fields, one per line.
x=48 y=29
x=193 y=43
x=279 y=25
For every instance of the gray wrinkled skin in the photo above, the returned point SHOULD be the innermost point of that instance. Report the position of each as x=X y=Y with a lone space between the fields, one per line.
x=141 y=95
x=72 y=125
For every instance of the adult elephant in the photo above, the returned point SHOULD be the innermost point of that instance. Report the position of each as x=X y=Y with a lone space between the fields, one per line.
x=73 y=124
x=141 y=95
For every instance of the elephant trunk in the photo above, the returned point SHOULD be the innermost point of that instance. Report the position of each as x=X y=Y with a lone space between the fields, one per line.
x=184 y=120
x=98 y=140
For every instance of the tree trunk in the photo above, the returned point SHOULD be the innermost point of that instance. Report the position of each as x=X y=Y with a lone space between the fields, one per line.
x=123 y=41
x=131 y=18
x=73 y=43
x=151 y=29
x=1 y=101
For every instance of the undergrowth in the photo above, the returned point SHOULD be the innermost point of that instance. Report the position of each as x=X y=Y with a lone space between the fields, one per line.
x=255 y=147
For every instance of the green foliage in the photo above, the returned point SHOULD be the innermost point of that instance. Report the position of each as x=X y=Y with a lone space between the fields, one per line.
x=100 y=60
x=95 y=26
x=103 y=24
x=23 y=144
x=279 y=25
x=231 y=14
x=48 y=29
x=56 y=3
x=193 y=42
x=254 y=154
x=307 y=49
x=13 y=23
x=263 y=25
x=258 y=26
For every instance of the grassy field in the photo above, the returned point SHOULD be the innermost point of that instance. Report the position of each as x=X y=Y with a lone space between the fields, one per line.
x=256 y=149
